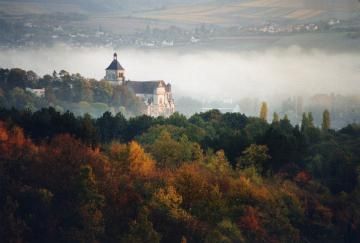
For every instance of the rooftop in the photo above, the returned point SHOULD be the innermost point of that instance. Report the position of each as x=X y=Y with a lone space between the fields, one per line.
x=144 y=87
x=115 y=65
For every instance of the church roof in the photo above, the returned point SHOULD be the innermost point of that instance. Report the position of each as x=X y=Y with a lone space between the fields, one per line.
x=144 y=87
x=115 y=65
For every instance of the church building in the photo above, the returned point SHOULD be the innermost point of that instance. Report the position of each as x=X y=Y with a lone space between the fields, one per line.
x=155 y=94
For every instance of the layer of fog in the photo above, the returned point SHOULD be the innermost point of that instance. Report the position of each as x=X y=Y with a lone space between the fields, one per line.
x=207 y=74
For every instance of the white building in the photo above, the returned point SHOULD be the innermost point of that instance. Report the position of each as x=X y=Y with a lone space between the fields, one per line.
x=156 y=95
x=37 y=92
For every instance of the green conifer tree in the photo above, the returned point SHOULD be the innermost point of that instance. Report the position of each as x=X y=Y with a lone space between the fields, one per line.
x=276 y=118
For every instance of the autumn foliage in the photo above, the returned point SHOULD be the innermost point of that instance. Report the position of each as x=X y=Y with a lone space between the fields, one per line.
x=65 y=188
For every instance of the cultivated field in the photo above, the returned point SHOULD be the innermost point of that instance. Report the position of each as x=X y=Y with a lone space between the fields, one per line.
x=228 y=13
x=240 y=12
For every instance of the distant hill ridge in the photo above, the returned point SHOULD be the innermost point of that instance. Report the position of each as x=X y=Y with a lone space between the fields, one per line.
x=129 y=15
x=150 y=4
x=99 y=5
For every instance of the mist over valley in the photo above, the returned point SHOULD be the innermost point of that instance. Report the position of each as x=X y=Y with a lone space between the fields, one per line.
x=187 y=121
x=206 y=74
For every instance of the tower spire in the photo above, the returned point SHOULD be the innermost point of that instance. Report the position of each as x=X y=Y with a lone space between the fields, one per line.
x=115 y=56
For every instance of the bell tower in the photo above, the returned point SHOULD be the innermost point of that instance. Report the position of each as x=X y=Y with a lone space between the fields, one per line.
x=115 y=73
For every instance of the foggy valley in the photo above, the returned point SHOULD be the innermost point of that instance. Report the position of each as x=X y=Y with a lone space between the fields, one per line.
x=180 y=121
x=207 y=74
x=216 y=54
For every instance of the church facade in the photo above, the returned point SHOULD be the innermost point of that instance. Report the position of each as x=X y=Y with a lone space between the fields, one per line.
x=156 y=94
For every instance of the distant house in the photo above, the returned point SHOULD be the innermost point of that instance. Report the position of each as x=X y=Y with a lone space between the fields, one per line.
x=37 y=92
x=156 y=95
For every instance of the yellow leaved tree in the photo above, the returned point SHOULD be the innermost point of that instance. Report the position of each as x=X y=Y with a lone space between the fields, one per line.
x=140 y=163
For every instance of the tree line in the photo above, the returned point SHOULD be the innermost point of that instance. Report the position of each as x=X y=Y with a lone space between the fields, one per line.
x=66 y=91
x=212 y=177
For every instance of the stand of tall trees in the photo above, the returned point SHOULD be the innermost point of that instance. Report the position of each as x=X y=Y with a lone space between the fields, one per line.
x=211 y=178
x=65 y=92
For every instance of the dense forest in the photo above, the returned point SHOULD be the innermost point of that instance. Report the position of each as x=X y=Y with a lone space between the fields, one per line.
x=65 y=91
x=212 y=177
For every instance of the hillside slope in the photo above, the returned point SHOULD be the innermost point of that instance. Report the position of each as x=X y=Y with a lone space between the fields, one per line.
x=232 y=12
x=92 y=6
